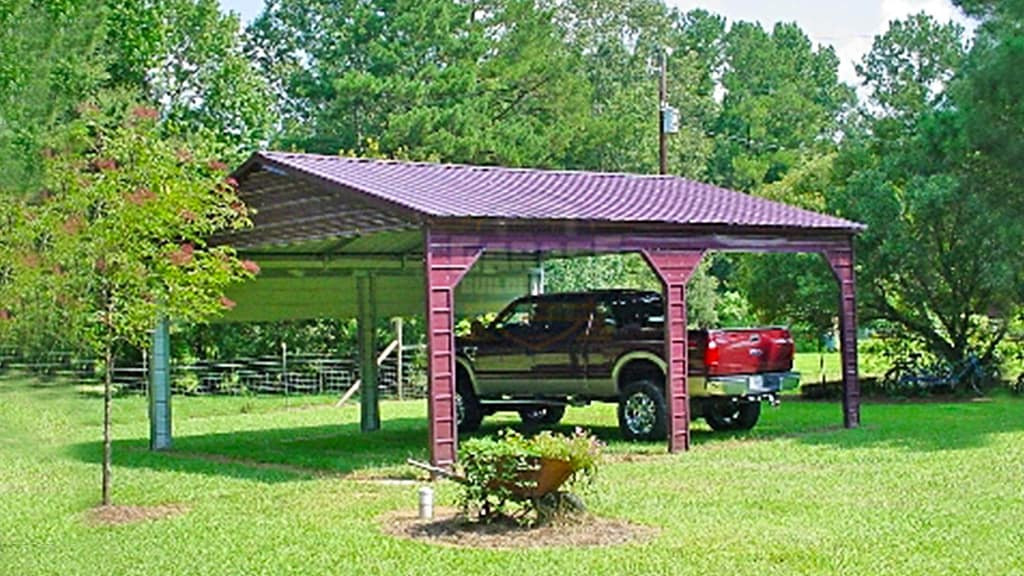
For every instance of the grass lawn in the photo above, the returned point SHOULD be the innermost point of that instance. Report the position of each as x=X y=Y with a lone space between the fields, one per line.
x=811 y=364
x=285 y=486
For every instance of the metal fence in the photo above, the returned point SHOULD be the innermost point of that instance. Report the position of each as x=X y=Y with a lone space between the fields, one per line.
x=292 y=373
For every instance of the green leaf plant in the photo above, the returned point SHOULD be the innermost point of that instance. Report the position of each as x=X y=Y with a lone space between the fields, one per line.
x=118 y=237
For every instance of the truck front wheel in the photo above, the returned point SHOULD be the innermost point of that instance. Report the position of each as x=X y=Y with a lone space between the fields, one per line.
x=730 y=415
x=643 y=414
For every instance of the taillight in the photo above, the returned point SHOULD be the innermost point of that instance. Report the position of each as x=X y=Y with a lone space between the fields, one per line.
x=711 y=355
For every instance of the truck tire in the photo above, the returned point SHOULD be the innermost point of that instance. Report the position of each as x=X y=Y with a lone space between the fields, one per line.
x=728 y=415
x=643 y=414
x=468 y=411
x=547 y=415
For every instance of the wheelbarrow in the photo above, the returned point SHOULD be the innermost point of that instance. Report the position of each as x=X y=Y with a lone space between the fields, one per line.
x=542 y=477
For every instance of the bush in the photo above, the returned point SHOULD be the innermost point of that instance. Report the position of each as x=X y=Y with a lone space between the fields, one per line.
x=501 y=473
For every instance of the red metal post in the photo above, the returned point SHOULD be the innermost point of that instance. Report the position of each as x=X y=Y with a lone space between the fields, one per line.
x=841 y=260
x=675 y=268
x=446 y=264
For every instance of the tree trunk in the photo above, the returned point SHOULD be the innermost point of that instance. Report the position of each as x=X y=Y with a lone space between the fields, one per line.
x=107 y=404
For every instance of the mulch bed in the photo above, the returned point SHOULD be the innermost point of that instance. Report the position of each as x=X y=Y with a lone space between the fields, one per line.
x=449 y=528
x=118 y=515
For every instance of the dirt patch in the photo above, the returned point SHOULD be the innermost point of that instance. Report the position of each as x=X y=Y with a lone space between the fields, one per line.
x=449 y=528
x=117 y=515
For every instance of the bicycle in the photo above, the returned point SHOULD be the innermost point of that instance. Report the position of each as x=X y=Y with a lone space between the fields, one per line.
x=910 y=376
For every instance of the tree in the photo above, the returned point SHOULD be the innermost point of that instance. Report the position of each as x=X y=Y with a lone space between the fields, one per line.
x=991 y=93
x=794 y=288
x=942 y=249
x=783 y=105
x=188 y=58
x=50 y=59
x=485 y=82
x=118 y=237
x=184 y=56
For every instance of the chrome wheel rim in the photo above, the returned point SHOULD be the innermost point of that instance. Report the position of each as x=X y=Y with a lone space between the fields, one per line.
x=640 y=413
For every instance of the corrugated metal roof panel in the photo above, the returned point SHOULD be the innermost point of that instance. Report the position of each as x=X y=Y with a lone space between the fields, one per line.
x=461 y=191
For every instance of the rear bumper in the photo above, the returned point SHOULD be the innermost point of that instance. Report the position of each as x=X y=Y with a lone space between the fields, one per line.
x=752 y=384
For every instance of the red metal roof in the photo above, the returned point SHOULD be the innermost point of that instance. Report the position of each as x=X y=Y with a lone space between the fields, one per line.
x=461 y=191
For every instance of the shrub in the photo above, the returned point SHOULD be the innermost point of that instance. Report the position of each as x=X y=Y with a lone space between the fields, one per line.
x=500 y=473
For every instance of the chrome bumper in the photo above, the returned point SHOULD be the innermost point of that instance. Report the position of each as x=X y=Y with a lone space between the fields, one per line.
x=752 y=384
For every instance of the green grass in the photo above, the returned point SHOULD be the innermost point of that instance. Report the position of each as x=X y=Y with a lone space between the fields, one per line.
x=919 y=489
x=811 y=364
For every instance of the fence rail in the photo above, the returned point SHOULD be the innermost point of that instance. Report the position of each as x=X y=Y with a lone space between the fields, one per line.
x=295 y=373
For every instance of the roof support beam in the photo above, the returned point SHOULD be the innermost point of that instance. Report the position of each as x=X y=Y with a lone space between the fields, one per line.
x=445 y=265
x=841 y=260
x=578 y=240
x=675 y=269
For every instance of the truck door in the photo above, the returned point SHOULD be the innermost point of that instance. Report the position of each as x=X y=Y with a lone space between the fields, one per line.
x=557 y=346
x=504 y=363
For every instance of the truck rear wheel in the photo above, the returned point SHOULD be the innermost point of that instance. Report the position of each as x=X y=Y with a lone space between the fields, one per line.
x=468 y=411
x=643 y=414
x=550 y=414
x=729 y=415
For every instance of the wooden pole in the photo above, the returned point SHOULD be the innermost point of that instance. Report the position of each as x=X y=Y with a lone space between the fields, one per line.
x=398 y=359
x=662 y=103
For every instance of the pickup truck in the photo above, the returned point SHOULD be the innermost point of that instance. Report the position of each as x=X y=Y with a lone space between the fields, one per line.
x=545 y=352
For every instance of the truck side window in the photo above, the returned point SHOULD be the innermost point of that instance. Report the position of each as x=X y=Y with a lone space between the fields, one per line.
x=519 y=318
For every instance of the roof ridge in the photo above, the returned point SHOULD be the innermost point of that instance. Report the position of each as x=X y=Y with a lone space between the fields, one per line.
x=487 y=167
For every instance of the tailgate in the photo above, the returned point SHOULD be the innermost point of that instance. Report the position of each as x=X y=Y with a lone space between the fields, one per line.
x=751 y=351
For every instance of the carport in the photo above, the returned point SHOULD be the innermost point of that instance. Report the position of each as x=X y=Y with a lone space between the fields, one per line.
x=371 y=238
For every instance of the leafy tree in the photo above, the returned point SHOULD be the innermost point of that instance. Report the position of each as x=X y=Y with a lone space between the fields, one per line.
x=187 y=57
x=118 y=238
x=942 y=248
x=184 y=56
x=783 y=105
x=991 y=93
x=488 y=82
x=910 y=65
x=50 y=59
x=794 y=288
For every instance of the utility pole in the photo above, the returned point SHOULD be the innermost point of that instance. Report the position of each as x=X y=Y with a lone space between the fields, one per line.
x=662 y=108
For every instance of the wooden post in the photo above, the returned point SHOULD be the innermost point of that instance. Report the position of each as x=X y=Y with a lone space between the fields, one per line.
x=369 y=412
x=662 y=103
x=675 y=268
x=398 y=359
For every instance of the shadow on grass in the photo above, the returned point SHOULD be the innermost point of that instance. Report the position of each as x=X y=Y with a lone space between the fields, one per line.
x=276 y=454
x=301 y=453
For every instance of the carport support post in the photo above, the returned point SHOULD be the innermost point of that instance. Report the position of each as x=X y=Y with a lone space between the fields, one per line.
x=160 y=388
x=445 y=265
x=675 y=268
x=841 y=260
x=369 y=401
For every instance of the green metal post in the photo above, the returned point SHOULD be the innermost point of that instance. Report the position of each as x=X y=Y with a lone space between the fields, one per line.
x=160 y=388
x=369 y=412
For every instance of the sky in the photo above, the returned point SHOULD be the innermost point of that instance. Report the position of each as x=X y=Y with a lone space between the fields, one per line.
x=849 y=25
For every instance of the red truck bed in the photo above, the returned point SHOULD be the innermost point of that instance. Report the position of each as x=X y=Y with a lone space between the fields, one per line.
x=729 y=351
